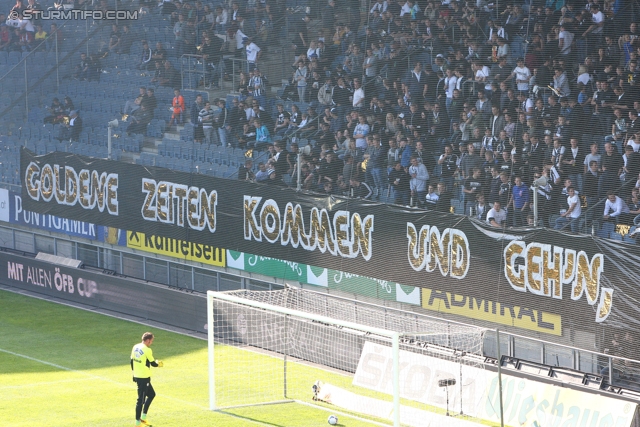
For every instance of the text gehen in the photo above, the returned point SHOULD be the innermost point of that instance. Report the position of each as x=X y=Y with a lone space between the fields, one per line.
x=543 y=269
x=346 y=235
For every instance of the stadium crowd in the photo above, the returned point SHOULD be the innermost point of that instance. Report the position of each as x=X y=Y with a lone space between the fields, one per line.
x=422 y=102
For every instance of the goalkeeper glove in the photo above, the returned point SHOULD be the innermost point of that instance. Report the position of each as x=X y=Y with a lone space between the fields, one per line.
x=160 y=363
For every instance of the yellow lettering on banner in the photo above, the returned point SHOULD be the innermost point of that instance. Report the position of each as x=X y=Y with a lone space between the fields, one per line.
x=176 y=248
x=491 y=311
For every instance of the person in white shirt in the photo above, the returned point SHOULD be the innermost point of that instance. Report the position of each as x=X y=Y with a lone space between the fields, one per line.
x=449 y=86
x=496 y=216
x=222 y=18
x=483 y=75
x=565 y=39
x=379 y=6
x=360 y=132
x=522 y=75
x=406 y=8
x=633 y=142
x=573 y=212
x=253 y=54
x=614 y=207
x=597 y=18
x=358 y=94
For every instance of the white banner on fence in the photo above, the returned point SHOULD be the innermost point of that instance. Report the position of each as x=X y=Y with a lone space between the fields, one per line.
x=526 y=402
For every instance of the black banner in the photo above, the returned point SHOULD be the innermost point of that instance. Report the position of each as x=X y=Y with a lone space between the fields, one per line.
x=127 y=296
x=573 y=288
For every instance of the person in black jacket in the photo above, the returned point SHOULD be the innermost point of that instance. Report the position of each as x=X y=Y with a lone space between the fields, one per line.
x=360 y=189
x=444 y=201
x=399 y=180
x=72 y=130
x=281 y=165
x=139 y=121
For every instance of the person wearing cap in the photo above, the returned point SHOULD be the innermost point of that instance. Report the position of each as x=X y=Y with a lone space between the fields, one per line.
x=522 y=75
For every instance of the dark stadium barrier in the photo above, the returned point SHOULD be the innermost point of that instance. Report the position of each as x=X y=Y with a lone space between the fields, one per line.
x=116 y=294
x=576 y=290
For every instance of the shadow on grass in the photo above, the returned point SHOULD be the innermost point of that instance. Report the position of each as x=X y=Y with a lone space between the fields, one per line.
x=73 y=338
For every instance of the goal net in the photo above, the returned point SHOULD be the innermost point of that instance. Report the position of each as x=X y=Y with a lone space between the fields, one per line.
x=295 y=345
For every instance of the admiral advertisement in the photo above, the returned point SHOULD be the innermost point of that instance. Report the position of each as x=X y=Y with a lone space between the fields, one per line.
x=576 y=290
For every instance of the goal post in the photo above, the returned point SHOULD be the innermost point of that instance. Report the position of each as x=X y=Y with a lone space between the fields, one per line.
x=389 y=366
x=230 y=300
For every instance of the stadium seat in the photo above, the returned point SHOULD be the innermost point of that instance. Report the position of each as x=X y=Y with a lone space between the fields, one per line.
x=615 y=236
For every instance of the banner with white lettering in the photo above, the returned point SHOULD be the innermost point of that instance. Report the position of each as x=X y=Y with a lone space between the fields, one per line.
x=118 y=294
x=16 y=214
x=577 y=290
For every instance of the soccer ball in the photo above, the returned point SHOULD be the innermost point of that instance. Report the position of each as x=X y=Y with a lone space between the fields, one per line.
x=333 y=420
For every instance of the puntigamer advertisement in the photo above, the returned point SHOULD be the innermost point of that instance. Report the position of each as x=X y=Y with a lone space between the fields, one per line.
x=550 y=283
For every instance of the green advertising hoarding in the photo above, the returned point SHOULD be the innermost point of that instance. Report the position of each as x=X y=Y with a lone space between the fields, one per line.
x=323 y=277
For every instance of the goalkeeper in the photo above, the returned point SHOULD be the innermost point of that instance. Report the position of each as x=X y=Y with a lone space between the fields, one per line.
x=141 y=362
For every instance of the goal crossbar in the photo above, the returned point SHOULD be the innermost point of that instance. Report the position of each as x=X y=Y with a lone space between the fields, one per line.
x=394 y=336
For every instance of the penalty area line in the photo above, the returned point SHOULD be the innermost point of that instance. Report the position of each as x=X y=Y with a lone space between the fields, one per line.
x=97 y=377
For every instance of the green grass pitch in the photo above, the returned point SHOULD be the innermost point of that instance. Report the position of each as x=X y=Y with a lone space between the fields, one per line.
x=65 y=367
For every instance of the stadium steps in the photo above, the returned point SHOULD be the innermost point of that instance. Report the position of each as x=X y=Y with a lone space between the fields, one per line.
x=150 y=145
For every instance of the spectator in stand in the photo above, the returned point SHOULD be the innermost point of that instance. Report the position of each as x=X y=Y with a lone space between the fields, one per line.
x=520 y=202
x=615 y=209
x=139 y=121
x=245 y=172
x=444 y=198
x=612 y=164
x=159 y=54
x=6 y=38
x=262 y=136
x=497 y=217
x=399 y=181
x=150 y=101
x=132 y=105
x=126 y=40
x=145 y=57
x=71 y=131
x=572 y=214
x=81 y=71
x=418 y=184
x=177 y=108
x=169 y=76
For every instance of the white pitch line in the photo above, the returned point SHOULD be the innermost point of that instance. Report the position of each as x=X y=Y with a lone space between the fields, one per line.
x=91 y=376
x=9 y=387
